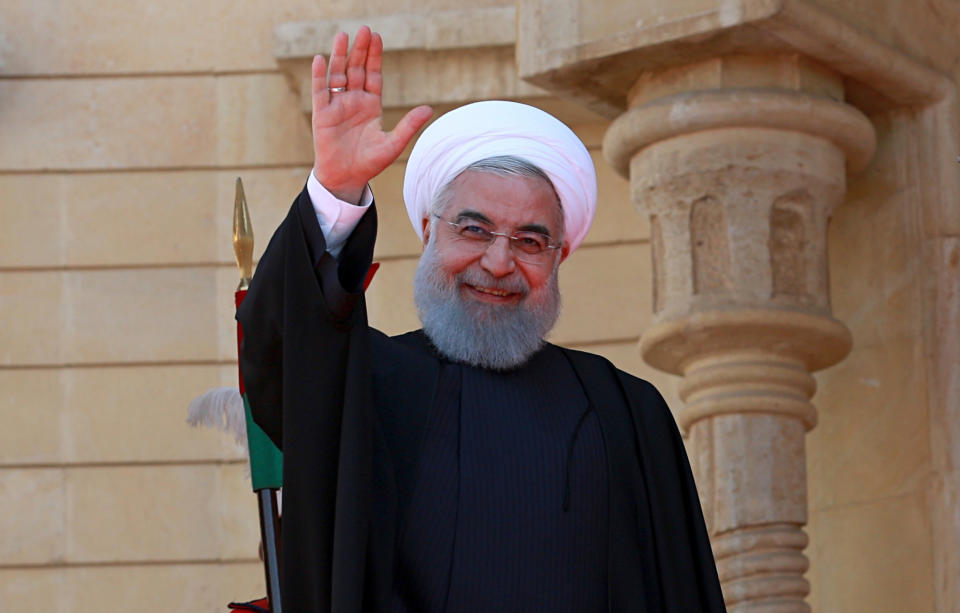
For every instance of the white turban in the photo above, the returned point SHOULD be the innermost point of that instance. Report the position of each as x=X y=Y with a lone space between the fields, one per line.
x=493 y=128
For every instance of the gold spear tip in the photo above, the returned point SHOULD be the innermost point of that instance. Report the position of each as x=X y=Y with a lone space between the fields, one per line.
x=242 y=236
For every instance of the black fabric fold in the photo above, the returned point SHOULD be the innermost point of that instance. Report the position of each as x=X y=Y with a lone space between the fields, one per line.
x=348 y=406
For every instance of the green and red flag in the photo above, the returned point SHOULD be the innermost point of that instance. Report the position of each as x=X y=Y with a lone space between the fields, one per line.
x=229 y=409
x=266 y=460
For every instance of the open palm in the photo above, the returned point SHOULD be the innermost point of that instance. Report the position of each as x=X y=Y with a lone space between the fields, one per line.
x=350 y=145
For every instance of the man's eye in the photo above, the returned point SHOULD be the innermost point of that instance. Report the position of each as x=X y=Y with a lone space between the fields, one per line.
x=472 y=231
x=532 y=242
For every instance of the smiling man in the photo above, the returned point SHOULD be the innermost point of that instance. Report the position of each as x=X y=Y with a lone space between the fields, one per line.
x=475 y=286
x=468 y=466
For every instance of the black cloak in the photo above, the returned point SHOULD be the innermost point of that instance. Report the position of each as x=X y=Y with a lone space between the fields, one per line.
x=324 y=386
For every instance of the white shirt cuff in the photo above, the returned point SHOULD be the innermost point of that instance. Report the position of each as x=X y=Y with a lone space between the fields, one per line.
x=337 y=217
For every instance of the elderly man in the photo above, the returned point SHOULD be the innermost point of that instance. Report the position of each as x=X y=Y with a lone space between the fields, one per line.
x=467 y=466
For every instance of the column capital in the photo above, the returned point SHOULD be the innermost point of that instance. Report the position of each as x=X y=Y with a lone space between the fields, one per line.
x=694 y=111
x=813 y=341
x=594 y=51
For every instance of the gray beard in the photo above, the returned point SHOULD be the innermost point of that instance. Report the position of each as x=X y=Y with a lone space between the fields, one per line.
x=499 y=337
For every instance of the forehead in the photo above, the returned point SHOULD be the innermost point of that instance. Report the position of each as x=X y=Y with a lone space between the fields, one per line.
x=509 y=201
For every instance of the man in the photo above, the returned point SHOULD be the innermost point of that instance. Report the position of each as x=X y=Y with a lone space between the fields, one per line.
x=468 y=466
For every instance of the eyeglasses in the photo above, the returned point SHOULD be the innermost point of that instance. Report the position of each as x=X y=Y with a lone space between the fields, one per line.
x=528 y=246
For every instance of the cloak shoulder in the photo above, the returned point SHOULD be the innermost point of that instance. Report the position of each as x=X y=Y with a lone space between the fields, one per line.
x=676 y=572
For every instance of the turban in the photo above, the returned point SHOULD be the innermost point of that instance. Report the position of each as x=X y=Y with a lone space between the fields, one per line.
x=494 y=128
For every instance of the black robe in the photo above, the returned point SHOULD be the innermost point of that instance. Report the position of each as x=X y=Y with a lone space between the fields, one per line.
x=324 y=386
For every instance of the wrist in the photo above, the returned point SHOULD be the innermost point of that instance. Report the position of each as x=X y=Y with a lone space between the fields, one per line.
x=349 y=193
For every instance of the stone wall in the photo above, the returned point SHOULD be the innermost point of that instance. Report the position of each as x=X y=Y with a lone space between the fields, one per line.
x=869 y=458
x=122 y=128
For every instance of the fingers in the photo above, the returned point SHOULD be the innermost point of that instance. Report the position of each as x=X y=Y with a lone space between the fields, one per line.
x=358 y=58
x=360 y=69
x=374 y=80
x=408 y=126
x=319 y=81
x=338 y=61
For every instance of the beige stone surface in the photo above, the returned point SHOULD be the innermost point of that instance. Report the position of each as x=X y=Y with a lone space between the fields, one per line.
x=617 y=218
x=553 y=53
x=940 y=174
x=739 y=70
x=33 y=590
x=157 y=513
x=759 y=476
x=108 y=123
x=454 y=76
x=139 y=315
x=945 y=494
x=591 y=133
x=180 y=37
x=876 y=280
x=558 y=43
x=238 y=517
x=110 y=219
x=873 y=406
x=31 y=232
x=109 y=37
x=390 y=297
x=100 y=316
x=182 y=587
x=81 y=39
x=30 y=411
x=439 y=77
x=31 y=304
x=945 y=428
x=605 y=292
x=872 y=413
x=227 y=279
x=258 y=122
x=928 y=34
x=387 y=7
x=33 y=521
x=138 y=414
x=873 y=557
x=395 y=234
x=611 y=17
x=139 y=218
x=433 y=30
x=198 y=588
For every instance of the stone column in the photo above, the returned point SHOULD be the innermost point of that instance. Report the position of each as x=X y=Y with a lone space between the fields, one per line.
x=739 y=161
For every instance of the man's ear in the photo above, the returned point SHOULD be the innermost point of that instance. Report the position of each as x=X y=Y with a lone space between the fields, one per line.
x=426 y=231
x=564 y=252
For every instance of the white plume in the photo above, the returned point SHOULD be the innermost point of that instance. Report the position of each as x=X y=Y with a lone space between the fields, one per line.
x=220 y=408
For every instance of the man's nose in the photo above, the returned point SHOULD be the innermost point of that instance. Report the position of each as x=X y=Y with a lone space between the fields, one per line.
x=498 y=257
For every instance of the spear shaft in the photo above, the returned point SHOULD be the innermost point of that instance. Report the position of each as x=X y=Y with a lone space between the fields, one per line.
x=265 y=459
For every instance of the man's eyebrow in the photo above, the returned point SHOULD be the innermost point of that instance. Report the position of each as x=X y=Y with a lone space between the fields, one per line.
x=475 y=215
x=535 y=227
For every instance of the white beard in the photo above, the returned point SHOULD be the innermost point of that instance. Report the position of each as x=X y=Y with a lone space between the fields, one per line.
x=499 y=337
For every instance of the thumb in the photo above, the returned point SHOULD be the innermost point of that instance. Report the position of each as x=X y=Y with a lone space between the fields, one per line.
x=408 y=126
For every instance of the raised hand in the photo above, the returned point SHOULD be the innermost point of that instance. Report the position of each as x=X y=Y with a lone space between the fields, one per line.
x=349 y=144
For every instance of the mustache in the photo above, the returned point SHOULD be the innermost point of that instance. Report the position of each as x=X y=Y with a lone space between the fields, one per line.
x=514 y=284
